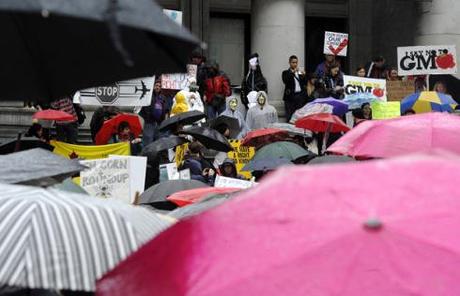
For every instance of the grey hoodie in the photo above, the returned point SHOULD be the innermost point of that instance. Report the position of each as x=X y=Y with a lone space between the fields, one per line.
x=261 y=116
x=236 y=114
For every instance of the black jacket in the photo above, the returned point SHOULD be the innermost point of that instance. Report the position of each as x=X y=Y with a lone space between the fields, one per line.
x=260 y=84
x=289 y=83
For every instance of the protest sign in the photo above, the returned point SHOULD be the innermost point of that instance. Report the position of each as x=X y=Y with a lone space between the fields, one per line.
x=335 y=43
x=178 y=80
x=398 y=90
x=107 y=178
x=175 y=15
x=226 y=182
x=89 y=151
x=241 y=155
x=168 y=171
x=374 y=88
x=137 y=170
x=421 y=60
x=385 y=110
x=136 y=92
x=184 y=174
x=180 y=153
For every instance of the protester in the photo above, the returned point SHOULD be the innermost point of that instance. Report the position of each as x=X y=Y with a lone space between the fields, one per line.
x=324 y=68
x=361 y=71
x=217 y=88
x=334 y=82
x=358 y=116
x=392 y=75
x=377 y=68
x=180 y=104
x=263 y=114
x=254 y=80
x=367 y=111
x=154 y=114
x=200 y=168
x=124 y=134
x=232 y=111
x=228 y=169
x=441 y=87
x=202 y=72
x=99 y=117
x=409 y=112
x=295 y=82
x=66 y=131
x=37 y=131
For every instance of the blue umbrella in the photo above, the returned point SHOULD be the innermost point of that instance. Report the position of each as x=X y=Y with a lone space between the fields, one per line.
x=339 y=107
x=358 y=99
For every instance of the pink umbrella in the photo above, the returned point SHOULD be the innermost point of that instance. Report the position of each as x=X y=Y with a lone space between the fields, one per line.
x=386 y=227
x=403 y=135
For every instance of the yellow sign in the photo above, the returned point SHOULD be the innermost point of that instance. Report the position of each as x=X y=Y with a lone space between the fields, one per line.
x=180 y=153
x=386 y=110
x=241 y=155
x=90 y=152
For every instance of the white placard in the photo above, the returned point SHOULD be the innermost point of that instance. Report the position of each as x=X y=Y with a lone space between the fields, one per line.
x=421 y=60
x=184 y=174
x=335 y=43
x=136 y=92
x=107 y=178
x=137 y=170
x=178 y=80
x=374 y=88
x=232 y=183
x=175 y=15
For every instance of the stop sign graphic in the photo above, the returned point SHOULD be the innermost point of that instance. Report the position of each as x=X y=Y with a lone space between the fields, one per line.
x=107 y=94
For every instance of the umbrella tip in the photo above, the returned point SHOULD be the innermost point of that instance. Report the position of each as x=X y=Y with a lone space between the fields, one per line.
x=373 y=224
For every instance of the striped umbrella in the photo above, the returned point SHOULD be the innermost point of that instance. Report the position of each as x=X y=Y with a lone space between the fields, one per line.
x=52 y=239
x=428 y=101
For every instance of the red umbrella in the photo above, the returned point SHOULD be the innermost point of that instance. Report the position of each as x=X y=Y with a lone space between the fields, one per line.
x=186 y=197
x=110 y=127
x=51 y=114
x=263 y=136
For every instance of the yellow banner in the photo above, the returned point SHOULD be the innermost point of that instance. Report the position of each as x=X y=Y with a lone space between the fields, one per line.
x=90 y=152
x=241 y=155
x=180 y=153
x=386 y=110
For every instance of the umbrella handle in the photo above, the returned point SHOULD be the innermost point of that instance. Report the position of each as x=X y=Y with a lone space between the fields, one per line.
x=17 y=145
x=326 y=137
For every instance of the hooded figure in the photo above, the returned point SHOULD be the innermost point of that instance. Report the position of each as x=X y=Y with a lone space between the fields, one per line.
x=232 y=111
x=261 y=115
x=228 y=169
x=254 y=80
x=180 y=104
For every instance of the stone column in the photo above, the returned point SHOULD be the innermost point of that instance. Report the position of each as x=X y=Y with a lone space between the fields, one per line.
x=196 y=18
x=439 y=24
x=277 y=32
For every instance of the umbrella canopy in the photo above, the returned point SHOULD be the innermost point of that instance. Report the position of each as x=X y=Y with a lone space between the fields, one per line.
x=291 y=129
x=52 y=239
x=403 y=135
x=310 y=109
x=199 y=207
x=260 y=137
x=428 y=101
x=266 y=164
x=36 y=167
x=69 y=186
x=51 y=114
x=210 y=138
x=232 y=124
x=103 y=36
x=191 y=196
x=184 y=118
x=160 y=191
x=283 y=149
x=331 y=159
x=152 y=150
x=322 y=122
x=24 y=143
x=370 y=228
x=110 y=127
x=339 y=107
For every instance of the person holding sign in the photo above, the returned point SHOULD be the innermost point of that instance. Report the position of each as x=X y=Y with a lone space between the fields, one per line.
x=334 y=82
x=154 y=114
x=217 y=88
x=377 y=68
x=294 y=80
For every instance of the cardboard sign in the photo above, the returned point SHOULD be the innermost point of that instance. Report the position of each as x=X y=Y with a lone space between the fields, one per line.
x=137 y=170
x=178 y=80
x=73 y=151
x=374 y=88
x=385 y=110
x=421 y=60
x=398 y=90
x=169 y=171
x=136 y=92
x=225 y=182
x=241 y=155
x=335 y=43
x=107 y=178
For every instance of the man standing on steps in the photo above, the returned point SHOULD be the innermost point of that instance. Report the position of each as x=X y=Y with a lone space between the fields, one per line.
x=294 y=81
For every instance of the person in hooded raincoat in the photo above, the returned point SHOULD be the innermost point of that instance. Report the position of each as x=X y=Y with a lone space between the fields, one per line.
x=180 y=104
x=228 y=169
x=232 y=111
x=261 y=115
x=253 y=81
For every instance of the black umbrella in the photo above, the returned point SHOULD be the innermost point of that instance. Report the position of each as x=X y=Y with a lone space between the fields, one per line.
x=266 y=164
x=185 y=118
x=210 y=138
x=230 y=122
x=331 y=159
x=152 y=150
x=36 y=167
x=160 y=191
x=51 y=48
x=22 y=144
